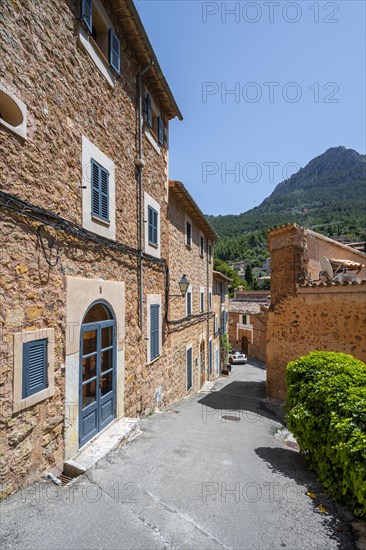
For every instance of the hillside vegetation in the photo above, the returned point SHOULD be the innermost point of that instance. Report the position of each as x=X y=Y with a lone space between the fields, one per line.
x=328 y=195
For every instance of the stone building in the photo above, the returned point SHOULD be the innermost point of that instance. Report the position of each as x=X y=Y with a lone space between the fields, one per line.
x=248 y=322
x=220 y=308
x=318 y=300
x=192 y=338
x=84 y=133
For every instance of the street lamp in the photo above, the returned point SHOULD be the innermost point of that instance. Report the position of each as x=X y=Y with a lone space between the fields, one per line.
x=183 y=285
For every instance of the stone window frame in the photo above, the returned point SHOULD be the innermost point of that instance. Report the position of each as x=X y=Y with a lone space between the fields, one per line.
x=149 y=248
x=19 y=339
x=150 y=300
x=92 y=48
x=15 y=107
x=91 y=223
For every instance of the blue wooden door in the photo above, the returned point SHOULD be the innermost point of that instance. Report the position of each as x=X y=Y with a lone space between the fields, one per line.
x=189 y=368
x=97 y=378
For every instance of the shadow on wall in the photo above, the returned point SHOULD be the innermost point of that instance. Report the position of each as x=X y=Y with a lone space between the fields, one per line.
x=247 y=400
x=292 y=465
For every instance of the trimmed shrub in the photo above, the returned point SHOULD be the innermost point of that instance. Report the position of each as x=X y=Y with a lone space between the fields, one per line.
x=326 y=412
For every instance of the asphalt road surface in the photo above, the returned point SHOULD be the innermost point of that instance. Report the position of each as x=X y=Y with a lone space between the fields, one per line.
x=191 y=480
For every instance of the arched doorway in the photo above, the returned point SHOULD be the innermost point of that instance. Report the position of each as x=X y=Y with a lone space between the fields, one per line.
x=202 y=363
x=244 y=345
x=97 y=396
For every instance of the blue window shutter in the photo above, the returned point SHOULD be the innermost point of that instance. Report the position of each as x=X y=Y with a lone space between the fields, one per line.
x=100 y=191
x=153 y=218
x=114 y=52
x=189 y=369
x=95 y=188
x=86 y=13
x=148 y=110
x=189 y=303
x=104 y=194
x=160 y=131
x=34 y=367
x=154 y=331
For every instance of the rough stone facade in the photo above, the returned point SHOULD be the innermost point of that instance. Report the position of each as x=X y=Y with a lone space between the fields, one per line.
x=67 y=97
x=197 y=329
x=307 y=314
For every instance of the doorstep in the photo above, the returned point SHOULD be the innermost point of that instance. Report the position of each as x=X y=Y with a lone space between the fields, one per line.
x=111 y=438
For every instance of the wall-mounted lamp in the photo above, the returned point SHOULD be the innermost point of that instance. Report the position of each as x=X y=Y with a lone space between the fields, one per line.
x=183 y=285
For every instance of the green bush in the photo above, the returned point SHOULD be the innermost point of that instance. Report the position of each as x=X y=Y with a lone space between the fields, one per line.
x=326 y=412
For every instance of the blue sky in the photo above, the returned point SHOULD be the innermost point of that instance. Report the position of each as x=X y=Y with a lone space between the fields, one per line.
x=298 y=73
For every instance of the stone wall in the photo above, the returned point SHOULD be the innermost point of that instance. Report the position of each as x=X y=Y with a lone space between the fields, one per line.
x=325 y=319
x=303 y=318
x=67 y=97
x=184 y=260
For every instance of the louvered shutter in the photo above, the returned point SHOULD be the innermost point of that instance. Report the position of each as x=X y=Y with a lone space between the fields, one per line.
x=189 y=303
x=148 y=110
x=154 y=331
x=34 y=367
x=86 y=13
x=104 y=194
x=153 y=225
x=189 y=369
x=95 y=188
x=100 y=191
x=160 y=131
x=114 y=52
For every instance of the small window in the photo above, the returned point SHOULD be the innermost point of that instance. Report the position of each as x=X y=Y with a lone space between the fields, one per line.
x=34 y=367
x=202 y=246
x=153 y=217
x=154 y=120
x=210 y=298
x=245 y=320
x=154 y=331
x=100 y=191
x=209 y=252
x=188 y=234
x=216 y=324
x=189 y=303
x=103 y=39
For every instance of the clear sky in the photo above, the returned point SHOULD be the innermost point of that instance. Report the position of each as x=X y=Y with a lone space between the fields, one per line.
x=297 y=73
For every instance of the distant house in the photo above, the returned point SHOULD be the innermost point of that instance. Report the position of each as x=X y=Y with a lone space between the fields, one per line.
x=318 y=300
x=248 y=322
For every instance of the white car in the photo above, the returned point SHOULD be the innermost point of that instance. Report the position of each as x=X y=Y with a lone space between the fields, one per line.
x=237 y=356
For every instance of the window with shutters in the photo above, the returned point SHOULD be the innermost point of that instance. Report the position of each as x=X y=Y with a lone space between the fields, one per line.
x=34 y=367
x=153 y=226
x=154 y=339
x=98 y=37
x=202 y=300
x=188 y=232
x=100 y=192
x=209 y=252
x=202 y=246
x=189 y=302
x=154 y=122
x=34 y=357
x=154 y=331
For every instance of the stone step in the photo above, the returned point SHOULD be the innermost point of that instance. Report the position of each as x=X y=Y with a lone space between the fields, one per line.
x=118 y=433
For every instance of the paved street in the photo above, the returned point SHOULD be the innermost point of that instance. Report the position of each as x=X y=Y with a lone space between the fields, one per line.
x=190 y=480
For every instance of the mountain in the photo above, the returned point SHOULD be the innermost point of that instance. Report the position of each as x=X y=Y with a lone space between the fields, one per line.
x=327 y=195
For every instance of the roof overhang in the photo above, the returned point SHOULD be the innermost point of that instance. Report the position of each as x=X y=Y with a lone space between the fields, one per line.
x=219 y=275
x=186 y=201
x=134 y=32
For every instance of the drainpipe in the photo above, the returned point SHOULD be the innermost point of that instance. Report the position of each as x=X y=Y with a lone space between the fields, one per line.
x=140 y=163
